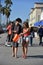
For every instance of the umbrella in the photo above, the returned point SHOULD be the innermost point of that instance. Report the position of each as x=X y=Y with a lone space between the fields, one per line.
x=41 y=22
x=38 y=23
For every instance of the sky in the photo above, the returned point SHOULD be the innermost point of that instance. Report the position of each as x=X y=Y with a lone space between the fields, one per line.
x=21 y=9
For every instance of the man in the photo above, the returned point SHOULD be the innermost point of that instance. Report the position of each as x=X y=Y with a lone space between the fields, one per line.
x=40 y=32
x=31 y=35
x=17 y=30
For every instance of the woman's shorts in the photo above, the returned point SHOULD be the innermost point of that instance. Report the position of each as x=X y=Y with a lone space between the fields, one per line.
x=15 y=44
x=25 y=41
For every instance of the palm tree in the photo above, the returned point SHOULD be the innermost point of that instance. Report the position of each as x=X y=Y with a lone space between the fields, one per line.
x=8 y=3
x=6 y=9
x=0 y=11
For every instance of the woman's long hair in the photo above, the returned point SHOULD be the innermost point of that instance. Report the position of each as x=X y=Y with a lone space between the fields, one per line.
x=26 y=24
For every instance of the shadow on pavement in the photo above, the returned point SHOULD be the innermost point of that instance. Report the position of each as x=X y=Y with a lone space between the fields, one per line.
x=35 y=56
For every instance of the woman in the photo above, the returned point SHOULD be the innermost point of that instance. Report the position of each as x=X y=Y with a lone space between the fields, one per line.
x=25 y=42
x=9 y=31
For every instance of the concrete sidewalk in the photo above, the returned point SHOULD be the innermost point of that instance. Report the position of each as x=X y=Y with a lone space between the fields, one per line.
x=35 y=56
x=3 y=38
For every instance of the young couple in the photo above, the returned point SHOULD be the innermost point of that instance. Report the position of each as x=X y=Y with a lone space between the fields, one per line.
x=24 y=32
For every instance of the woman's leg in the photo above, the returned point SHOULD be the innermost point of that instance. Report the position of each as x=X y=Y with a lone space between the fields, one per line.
x=8 y=37
x=26 y=49
x=27 y=42
x=23 y=51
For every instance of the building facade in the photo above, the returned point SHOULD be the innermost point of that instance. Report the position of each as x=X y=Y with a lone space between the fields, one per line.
x=35 y=13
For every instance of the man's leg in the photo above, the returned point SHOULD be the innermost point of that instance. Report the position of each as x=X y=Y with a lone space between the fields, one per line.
x=40 y=40
x=31 y=39
x=13 y=51
x=16 y=49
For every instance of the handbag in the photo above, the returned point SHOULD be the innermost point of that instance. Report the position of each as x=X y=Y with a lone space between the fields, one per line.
x=16 y=38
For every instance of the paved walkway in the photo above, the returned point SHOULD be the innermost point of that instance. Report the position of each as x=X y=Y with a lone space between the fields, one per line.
x=35 y=56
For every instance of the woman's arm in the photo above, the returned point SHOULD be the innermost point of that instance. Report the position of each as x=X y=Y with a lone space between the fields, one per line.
x=28 y=29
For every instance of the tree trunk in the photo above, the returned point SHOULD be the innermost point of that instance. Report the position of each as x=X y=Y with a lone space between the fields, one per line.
x=6 y=20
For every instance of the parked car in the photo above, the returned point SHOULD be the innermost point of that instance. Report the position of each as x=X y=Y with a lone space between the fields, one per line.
x=4 y=29
x=1 y=30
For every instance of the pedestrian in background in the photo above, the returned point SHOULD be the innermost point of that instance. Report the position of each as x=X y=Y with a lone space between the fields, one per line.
x=40 y=33
x=9 y=32
x=31 y=35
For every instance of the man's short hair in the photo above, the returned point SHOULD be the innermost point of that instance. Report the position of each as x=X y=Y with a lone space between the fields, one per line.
x=19 y=20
